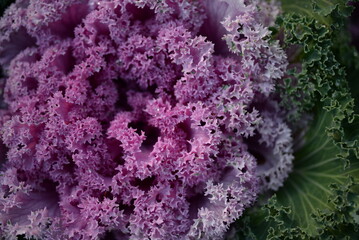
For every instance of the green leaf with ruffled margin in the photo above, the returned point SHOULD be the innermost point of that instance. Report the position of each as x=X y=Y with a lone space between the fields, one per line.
x=313 y=28
x=324 y=11
x=320 y=197
x=348 y=57
x=329 y=70
x=321 y=78
x=318 y=165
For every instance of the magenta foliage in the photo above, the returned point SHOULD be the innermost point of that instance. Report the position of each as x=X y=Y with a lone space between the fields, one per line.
x=124 y=119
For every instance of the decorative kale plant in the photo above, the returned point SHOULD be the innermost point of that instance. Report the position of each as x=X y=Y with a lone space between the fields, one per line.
x=178 y=119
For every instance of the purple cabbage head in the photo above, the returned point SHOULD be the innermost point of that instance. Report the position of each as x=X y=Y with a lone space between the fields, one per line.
x=138 y=119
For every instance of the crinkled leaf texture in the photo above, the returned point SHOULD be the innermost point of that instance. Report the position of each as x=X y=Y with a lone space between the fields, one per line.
x=320 y=198
x=139 y=128
x=310 y=31
x=326 y=74
x=320 y=10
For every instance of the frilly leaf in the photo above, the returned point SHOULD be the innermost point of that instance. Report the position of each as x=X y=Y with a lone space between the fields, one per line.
x=320 y=198
x=324 y=11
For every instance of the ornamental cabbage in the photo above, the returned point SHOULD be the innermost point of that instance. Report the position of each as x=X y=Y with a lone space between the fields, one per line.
x=132 y=119
x=173 y=119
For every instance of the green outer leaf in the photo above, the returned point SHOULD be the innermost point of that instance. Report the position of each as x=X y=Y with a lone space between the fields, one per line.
x=322 y=77
x=304 y=8
x=321 y=197
x=314 y=26
x=318 y=9
x=318 y=164
x=309 y=205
